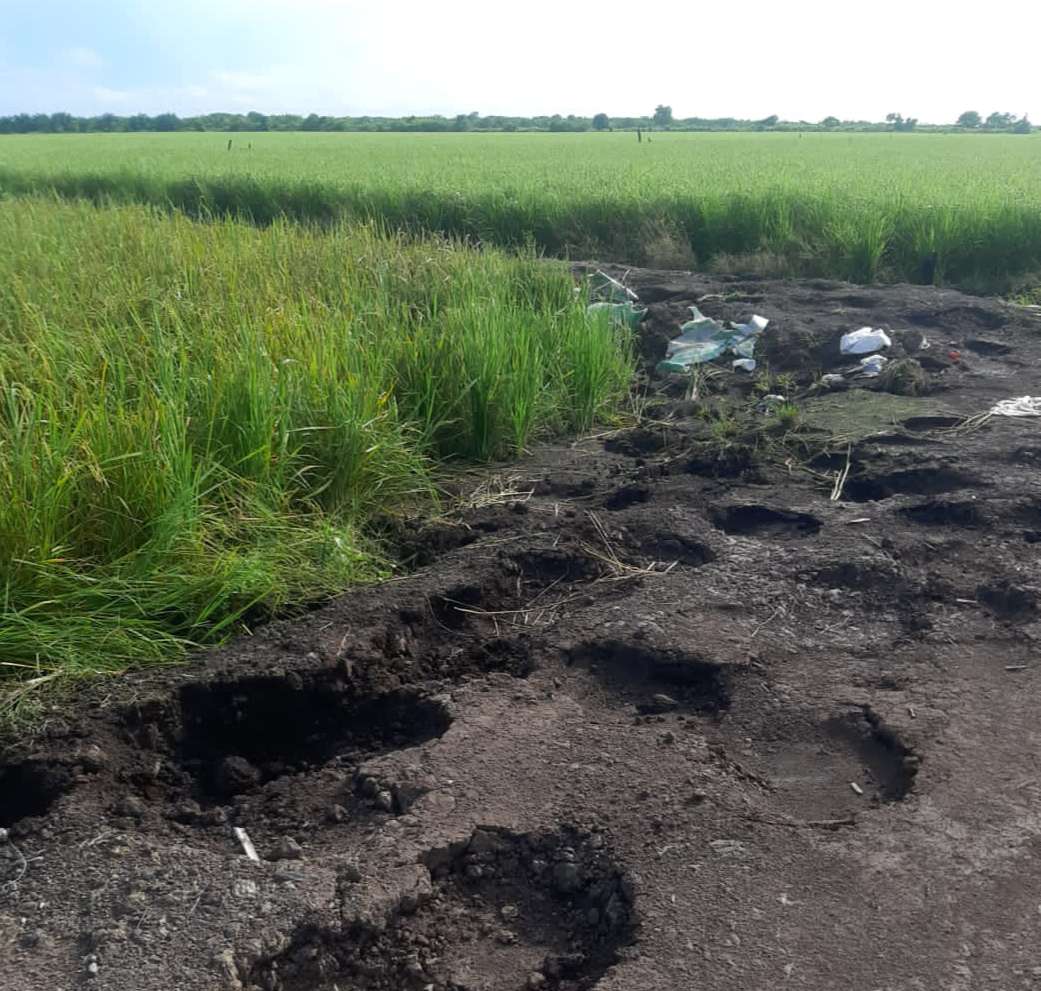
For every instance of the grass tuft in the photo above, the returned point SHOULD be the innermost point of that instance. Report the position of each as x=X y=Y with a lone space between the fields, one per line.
x=198 y=420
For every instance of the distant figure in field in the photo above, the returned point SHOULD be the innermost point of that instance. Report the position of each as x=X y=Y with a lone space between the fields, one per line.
x=229 y=144
x=639 y=136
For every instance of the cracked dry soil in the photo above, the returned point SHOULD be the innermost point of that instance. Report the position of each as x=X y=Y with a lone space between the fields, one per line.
x=675 y=720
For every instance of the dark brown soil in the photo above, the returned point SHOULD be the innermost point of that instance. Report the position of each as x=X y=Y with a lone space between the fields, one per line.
x=676 y=720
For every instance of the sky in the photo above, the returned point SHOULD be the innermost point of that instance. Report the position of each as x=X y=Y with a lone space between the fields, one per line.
x=801 y=60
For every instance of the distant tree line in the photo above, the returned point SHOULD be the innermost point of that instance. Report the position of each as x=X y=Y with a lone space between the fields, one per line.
x=661 y=119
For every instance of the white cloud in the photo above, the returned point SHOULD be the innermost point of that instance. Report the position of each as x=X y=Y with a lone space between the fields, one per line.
x=244 y=80
x=108 y=96
x=84 y=58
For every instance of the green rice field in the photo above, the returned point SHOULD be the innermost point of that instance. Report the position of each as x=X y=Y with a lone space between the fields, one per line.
x=935 y=208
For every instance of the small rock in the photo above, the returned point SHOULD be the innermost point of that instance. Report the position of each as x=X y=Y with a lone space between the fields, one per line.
x=131 y=806
x=31 y=939
x=536 y=980
x=566 y=878
x=667 y=737
x=245 y=888
x=286 y=849
x=337 y=814
x=664 y=702
x=351 y=873
x=92 y=968
x=236 y=775
x=369 y=787
x=506 y=937
x=385 y=801
x=509 y=912
x=486 y=841
x=93 y=759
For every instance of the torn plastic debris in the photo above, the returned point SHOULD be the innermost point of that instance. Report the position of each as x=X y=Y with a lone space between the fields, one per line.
x=704 y=339
x=620 y=314
x=864 y=341
x=611 y=297
x=768 y=404
x=1021 y=406
x=744 y=365
x=872 y=366
x=833 y=380
x=603 y=288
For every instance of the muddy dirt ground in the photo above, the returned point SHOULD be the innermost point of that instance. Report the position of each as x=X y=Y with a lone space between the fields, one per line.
x=654 y=712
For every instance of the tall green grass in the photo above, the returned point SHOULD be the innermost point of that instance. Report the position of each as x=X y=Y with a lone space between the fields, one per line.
x=945 y=208
x=198 y=420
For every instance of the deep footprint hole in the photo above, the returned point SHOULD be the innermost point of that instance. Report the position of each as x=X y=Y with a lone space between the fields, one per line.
x=891 y=765
x=656 y=680
x=453 y=608
x=828 y=769
x=29 y=789
x=924 y=480
x=755 y=520
x=937 y=512
x=626 y=496
x=665 y=548
x=236 y=736
x=500 y=908
x=552 y=566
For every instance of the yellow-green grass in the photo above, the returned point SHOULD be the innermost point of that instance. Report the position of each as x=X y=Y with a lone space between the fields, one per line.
x=944 y=208
x=198 y=421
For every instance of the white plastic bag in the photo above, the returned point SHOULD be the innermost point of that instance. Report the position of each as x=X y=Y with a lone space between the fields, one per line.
x=867 y=340
x=872 y=365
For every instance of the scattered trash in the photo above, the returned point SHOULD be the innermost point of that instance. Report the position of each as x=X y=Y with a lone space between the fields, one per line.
x=704 y=339
x=856 y=788
x=744 y=365
x=603 y=288
x=1021 y=406
x=832 y=380
x=872 y=366
x=620 y=314
x=616 y=300
x=864 y=341
x=769 y=404
x=955 y=356
x=247 y=844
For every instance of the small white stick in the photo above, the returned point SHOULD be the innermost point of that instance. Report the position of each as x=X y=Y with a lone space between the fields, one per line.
x=247 y=844
x=856 y=788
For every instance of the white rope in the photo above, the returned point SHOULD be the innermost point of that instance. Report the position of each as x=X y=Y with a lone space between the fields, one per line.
x=1021 y=406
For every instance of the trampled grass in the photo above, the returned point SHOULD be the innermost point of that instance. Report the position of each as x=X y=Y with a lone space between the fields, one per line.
x=944 y=208
x=198 y=420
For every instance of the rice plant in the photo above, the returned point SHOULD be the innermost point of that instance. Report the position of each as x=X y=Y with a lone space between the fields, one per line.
x=198 y=421
x=952 y=208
